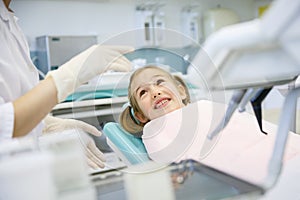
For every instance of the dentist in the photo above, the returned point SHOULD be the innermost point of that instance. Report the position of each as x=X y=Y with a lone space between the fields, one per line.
x=25 y=102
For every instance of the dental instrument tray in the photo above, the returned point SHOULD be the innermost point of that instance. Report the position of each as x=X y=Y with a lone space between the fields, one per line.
x=191 y=180
x=198 y=181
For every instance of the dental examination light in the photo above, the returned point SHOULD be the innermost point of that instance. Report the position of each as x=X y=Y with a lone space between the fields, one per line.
x=250 y=58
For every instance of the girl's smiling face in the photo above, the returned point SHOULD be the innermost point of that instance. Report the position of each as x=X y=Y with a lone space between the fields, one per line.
x=156 y=94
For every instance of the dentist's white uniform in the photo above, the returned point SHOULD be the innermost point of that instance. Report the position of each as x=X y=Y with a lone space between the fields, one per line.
x=17 y=72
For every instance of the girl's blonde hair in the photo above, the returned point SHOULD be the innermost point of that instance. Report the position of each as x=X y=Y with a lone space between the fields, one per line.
x=127 y=119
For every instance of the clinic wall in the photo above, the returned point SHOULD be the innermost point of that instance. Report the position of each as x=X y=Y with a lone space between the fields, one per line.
x=39 y=18
x=104 y=18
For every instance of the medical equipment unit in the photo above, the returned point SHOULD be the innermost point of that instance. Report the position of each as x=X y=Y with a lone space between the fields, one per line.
x=151 y=21
x=253 y=56
x=190 y=24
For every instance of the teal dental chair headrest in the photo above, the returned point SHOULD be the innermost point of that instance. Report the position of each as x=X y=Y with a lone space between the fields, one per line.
x=128 y=147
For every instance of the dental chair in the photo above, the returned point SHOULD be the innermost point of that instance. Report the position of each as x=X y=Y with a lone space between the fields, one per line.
x=250 y=57
x=129 y=148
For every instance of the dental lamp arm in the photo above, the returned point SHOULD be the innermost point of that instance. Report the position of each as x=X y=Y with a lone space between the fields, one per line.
x=210 y=59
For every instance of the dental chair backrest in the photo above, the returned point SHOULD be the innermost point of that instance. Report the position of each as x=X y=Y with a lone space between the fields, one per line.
x=129 y=148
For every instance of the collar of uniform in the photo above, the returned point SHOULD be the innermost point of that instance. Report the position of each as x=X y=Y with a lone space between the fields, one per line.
x=4 y=13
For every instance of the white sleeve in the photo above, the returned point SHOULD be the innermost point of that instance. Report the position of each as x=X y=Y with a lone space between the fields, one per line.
x=6 y=121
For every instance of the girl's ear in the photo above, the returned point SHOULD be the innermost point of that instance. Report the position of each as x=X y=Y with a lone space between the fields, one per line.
x=182 y=92
x=140 y=117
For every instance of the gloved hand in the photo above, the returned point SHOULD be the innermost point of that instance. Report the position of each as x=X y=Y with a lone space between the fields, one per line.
x=85 y=66
x=95 y=157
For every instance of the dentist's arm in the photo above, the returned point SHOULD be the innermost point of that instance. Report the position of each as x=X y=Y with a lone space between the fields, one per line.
x=31 y=108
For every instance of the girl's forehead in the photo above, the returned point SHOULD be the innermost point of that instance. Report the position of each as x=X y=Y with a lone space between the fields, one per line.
x=146 y=76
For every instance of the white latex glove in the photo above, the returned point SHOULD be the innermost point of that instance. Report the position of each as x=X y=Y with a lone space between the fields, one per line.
x=95 y=157
x=88 y=64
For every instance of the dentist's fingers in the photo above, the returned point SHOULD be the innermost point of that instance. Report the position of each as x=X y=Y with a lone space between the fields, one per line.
x=92 y=164
x=95 y=156
x=121 y=64
x=121 y=49
x=88 y=128
x=96 y=152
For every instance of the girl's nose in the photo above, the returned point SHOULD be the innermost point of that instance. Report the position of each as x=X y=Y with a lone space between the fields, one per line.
x=156 y=94
x=155 y=91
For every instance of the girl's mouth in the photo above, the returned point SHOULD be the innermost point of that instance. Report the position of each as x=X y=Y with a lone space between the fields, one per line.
x=161 y=103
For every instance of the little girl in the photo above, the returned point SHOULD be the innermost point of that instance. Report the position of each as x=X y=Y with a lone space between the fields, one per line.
x=152 y=92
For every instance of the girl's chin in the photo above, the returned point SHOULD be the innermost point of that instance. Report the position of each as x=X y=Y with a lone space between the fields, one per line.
x=163 y=112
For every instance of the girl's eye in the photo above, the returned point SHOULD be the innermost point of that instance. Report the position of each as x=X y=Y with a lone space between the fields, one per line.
x=159 y=81
x=142 y=92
